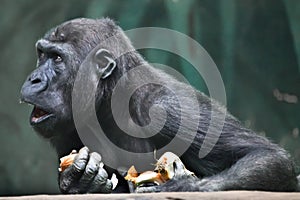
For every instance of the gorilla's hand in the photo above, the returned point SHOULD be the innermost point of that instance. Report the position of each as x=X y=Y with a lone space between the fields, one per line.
x=85 y=175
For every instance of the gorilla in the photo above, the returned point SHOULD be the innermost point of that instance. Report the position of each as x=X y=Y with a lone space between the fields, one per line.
x=240 y=159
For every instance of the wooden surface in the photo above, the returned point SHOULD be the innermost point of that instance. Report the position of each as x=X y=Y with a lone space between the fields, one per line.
x=230 y=195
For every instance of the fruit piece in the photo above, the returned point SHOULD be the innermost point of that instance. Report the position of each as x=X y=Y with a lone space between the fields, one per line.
x=149 y=177
x=165 y=166
x=131 y=174
x=66 y=161
x=163 y=172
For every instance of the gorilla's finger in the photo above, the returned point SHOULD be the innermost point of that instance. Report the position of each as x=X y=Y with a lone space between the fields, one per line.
x=81 y=159
x=72 y=174
x=91 y=170
x=101 y=183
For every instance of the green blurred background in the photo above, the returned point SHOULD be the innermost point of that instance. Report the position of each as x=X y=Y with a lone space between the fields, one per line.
x=255 y=44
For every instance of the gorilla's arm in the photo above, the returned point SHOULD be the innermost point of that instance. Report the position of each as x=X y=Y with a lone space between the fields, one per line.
x=254 y=171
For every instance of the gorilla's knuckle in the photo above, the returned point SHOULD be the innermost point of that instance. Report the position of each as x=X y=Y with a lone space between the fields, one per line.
x=96 y=156
x=91 y=170
x=63 y=186
x=102 y=174
x=78 y=167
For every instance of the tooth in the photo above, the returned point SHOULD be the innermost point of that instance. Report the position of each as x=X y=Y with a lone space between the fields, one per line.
x=21 y=101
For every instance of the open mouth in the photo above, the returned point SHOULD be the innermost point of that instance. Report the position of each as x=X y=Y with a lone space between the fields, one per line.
x=39 y=115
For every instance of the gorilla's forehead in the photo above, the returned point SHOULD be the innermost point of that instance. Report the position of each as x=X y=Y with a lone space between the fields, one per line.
x=66 y=33
x=82 y=30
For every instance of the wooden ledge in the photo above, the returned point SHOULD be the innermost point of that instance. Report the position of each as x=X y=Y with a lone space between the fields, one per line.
x=229 y=195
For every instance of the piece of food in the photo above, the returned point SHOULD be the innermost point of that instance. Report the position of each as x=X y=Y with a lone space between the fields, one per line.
x=114 y=181
x=132 y=174
x=165 y=166
x=66 y=161
x=149 y=177
x=145 y=177
x=163 y=172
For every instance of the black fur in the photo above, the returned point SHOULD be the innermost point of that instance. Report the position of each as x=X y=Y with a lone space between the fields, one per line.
x=241 y=160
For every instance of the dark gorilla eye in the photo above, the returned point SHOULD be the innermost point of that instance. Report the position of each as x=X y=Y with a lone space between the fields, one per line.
x=41 y=54
x=57 y=58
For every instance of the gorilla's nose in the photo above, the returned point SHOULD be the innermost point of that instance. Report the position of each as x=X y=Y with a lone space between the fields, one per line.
x=35 y=83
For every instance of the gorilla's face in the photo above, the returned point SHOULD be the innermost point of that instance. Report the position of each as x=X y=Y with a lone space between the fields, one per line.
x=48 y=88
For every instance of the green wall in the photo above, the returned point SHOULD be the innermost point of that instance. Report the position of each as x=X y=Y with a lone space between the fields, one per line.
x=255 y=44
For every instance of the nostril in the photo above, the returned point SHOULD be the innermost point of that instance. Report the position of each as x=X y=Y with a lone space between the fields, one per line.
x=35 y=81
x=36 y=78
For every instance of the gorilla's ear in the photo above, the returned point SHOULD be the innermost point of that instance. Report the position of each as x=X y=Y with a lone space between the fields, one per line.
x=105 y=63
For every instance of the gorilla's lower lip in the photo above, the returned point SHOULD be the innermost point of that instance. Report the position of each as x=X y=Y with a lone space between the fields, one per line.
x=39 y=115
